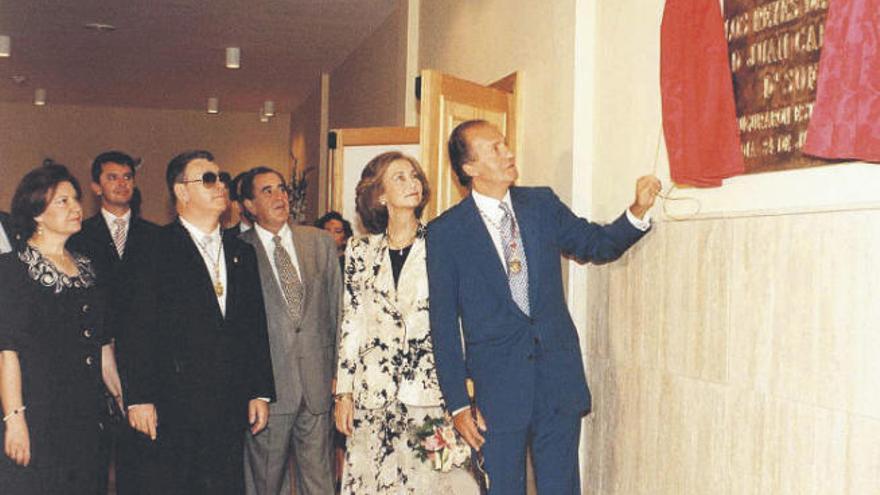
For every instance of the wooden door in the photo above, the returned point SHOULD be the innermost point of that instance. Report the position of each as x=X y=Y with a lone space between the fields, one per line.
x=447 y=101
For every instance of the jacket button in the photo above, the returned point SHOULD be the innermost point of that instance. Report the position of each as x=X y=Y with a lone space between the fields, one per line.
x=537 y=340
x=86 y=308
x=530 y=357
x=90 y=360
x=87 y=333
x=298 y=330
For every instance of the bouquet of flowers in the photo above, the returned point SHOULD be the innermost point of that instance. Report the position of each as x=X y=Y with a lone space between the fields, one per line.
x=437 y=442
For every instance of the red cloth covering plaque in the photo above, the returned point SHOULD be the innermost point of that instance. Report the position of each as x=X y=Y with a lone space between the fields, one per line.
x=845 y=122
x=699 y=114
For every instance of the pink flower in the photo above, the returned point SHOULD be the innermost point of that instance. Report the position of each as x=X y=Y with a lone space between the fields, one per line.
x=432 y=443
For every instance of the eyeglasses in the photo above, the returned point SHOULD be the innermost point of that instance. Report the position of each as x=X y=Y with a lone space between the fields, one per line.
x=209 y=179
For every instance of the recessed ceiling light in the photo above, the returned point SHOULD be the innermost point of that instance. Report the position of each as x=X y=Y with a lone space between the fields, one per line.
x=233 y=57
x=18 y=79
x=39 y=97
x=5 y=46
x=100 y=27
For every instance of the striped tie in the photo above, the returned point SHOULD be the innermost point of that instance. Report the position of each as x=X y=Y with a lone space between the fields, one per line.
x=120 y=234
x=511 y=241
x=289 y=277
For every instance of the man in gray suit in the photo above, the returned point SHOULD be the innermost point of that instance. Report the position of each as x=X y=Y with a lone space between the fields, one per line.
x=301 y=290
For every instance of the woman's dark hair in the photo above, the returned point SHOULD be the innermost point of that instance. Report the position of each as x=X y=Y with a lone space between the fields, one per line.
x=335 y=215
x=33 y=195
x=373 y=215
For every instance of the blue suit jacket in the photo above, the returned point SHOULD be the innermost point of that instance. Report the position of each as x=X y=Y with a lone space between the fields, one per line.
x=513 y=358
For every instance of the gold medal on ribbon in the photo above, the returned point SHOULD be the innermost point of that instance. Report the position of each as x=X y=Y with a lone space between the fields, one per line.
x=515 y=265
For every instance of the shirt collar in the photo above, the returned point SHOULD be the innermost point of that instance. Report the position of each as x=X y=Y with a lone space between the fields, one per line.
x=111 y=218
x=489 y=206
x=197 y=234
x=266 y=236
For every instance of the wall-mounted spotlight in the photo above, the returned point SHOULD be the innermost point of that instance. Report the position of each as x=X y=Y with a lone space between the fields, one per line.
x=213 y=105
x=269 y=108
x=5 y=46
x=263 y=117
x=39 y=97
x=233 y=57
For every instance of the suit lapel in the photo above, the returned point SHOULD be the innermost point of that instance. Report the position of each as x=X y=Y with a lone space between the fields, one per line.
x=194 y=262
x=267 y=275
x=414 y=270
x=104 y=239
x=233 y=259
x=528 y=219
x=383 y=275
x=483 y=249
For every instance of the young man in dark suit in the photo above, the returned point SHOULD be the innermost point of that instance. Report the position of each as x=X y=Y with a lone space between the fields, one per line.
x=494 y=266
x=116 y=240
x=199 y=369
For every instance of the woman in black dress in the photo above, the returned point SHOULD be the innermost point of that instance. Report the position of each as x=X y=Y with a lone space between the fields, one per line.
x=51 y=344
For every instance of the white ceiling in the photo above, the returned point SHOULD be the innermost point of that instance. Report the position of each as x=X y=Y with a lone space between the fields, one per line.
x=171 y=53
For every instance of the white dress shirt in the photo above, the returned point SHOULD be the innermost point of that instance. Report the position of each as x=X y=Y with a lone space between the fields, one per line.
x=286 y=235
x=110 y=219
x=210 y=252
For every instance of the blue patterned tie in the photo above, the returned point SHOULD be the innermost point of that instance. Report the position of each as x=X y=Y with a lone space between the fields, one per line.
x=514 y=255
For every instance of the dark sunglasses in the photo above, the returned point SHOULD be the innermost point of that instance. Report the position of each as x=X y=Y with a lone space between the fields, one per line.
x=208 y=179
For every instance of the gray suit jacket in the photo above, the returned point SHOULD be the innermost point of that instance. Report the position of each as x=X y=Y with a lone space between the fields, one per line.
x=303 y=352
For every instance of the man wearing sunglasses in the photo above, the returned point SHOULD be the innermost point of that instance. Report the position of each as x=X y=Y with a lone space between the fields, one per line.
x=199 y=369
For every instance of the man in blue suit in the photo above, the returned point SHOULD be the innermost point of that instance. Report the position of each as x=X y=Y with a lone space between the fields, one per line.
x=494 y=268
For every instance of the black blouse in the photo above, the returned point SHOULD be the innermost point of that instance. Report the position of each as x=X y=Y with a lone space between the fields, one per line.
x=398 y=258
x=55 y=323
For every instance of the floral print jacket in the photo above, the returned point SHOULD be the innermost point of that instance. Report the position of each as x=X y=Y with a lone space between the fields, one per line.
x=385 y=349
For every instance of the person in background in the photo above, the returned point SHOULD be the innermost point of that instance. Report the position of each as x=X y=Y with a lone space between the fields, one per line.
x=198 y=369
x=117 y=241
x=339 y=228
x=386 y=380
x=236 y=209
x=52 y=341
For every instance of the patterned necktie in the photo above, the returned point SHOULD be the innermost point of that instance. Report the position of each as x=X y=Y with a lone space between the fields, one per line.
x=290 y=283
x=515 y=259
x=120 y=234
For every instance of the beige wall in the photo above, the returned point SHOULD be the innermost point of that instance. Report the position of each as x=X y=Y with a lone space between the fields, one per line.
x=305 y=132
x=486 y=40
x=74 y=135
x=733 y=352
x=368 y=89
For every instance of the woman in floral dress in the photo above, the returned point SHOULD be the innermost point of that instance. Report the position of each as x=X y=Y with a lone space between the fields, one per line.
x=386 y=381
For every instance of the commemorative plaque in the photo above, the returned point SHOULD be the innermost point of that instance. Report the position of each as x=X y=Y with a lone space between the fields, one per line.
x=774 y=48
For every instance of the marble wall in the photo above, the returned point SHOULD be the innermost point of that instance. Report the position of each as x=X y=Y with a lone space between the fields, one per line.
x=738 y=356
